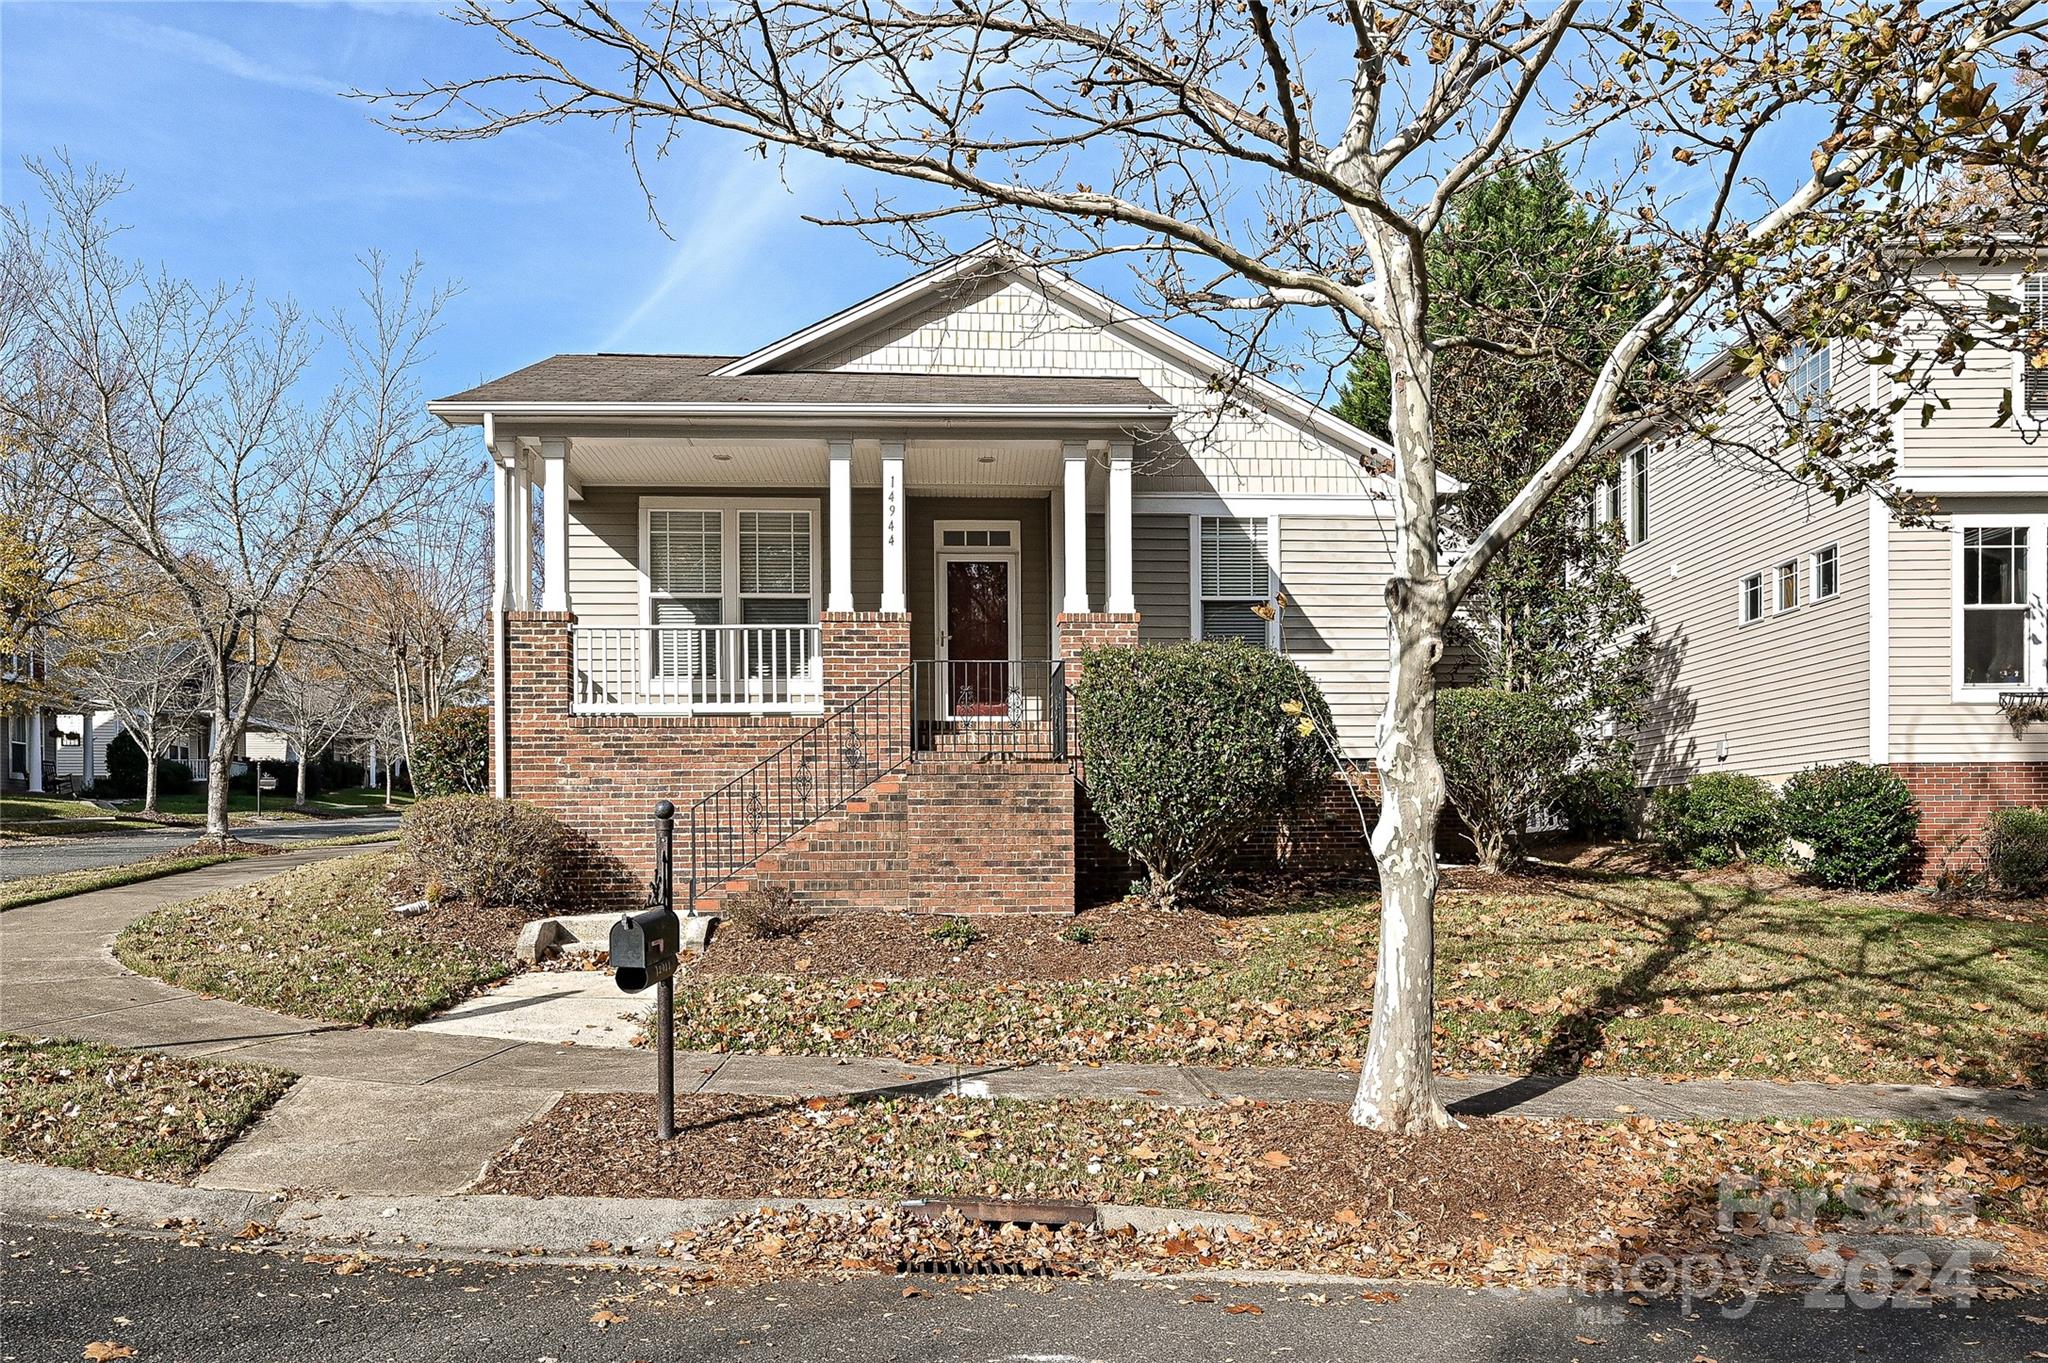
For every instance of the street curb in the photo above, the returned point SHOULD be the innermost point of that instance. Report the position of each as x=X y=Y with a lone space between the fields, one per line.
x=609 y=1230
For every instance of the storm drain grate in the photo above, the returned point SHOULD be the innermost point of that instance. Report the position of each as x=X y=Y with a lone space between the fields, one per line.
x=979 y=1268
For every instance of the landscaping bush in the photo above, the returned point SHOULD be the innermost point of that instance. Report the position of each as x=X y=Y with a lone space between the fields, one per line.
x=1188 y=747
x=452 y=752
x=2016 y=851
x=1601 y=799
x=286 y=774
x=1503 y=754
x=764 y=910
x=487 y=851
x=1860 y=821
x=1718 y=818
x=126 y=774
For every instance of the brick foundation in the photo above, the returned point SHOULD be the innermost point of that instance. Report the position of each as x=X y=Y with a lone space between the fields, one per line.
x=939 y=837
x=1957 y=797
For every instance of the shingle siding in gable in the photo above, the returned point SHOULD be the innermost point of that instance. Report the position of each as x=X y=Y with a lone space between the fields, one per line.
x=1006 y=327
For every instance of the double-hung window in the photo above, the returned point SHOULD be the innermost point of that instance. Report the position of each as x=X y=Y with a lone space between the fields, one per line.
x=1997 y=570
x=1826 y=564
x=1638 y=471
x=724 y=585
x=1786 y=596
x=685 y=588
x=1236 y=579
x=1806 y=378
x=1752 y=598
x=775 y=588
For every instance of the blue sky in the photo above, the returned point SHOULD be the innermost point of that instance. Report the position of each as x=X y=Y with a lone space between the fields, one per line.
x=246 y=163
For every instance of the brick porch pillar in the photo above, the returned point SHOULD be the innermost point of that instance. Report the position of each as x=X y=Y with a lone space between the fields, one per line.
x=860 y=650
x=1079 y=632
x=537 y=668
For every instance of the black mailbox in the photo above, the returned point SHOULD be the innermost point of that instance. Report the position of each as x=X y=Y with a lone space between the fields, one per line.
x=644 y=948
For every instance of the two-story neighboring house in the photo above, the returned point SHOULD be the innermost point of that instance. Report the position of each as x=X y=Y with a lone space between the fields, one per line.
x=1793 y=631
x=829 y=597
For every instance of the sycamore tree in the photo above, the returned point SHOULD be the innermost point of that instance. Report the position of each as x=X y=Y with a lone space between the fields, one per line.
x=1281 y=170
x=193 y=439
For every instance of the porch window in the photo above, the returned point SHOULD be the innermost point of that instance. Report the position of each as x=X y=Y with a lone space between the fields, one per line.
x=1995 y=573
x=1237 y=579
x=775 y=587
x=685 y=584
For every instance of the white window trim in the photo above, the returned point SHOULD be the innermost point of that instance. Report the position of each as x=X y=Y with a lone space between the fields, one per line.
x=1986 y=693
x=729 y=597
x=1012 y=553
x=1772 y=580
x=1813 y=593
x=1274 y=637
x=1743 y=619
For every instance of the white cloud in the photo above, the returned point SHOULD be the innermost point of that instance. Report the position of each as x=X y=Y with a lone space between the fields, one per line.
x=221 y=56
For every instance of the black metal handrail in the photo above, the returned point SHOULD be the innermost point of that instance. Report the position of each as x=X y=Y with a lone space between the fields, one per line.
x=799 y=783
x=998 y=710
x=990 y=710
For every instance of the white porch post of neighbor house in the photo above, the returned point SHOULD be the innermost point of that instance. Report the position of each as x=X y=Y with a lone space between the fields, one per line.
x=35 y=750
x=522 y=527
x=893 y=598
x=512 y=519
x=1074 y=522
x=839 y=490
x=554 y=523
x=1117 y=525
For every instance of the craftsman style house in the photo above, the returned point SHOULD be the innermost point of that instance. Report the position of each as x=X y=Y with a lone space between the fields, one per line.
x=826 y=596
x=1793 y=630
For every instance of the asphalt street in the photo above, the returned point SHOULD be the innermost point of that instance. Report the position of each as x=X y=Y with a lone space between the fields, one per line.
x=62 y=1291
x=118 y=849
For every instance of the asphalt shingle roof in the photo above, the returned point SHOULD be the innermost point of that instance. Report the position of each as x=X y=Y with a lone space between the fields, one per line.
x=688 y=378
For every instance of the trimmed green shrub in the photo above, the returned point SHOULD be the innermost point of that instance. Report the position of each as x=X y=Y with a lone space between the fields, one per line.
x=1861 y=822
x=125 y=778
x=1718 y=818
x=1503 y=754
x=487 y=851
x=1188 y=747
x=2016 y=851
x=1602 y=799
x=451 y=754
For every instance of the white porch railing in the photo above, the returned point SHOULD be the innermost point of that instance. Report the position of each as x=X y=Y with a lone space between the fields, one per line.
x=696 y=670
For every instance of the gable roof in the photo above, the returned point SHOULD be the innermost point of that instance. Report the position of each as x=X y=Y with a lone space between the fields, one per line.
x=992 y=259
x=565 y=380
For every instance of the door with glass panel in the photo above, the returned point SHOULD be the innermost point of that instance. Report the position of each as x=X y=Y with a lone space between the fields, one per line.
x=977 y=581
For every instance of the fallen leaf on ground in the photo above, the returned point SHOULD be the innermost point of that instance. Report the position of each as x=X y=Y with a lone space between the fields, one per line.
x=102 y=1349
x=1243 y=1308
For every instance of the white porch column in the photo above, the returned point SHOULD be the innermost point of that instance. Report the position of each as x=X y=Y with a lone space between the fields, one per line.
x=1117 y=525
x=511 y=519
x=372 y=776
x=35 y=750
x=522 y=528
x=554 y=523
x=1074 y=520
x=893 y=599
x=839 y=589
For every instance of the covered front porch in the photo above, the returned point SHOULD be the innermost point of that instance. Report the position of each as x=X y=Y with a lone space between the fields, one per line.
x=697 y=569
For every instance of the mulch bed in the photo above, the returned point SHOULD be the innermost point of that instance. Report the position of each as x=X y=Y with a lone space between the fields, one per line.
x=1010 y=947
x=1508 y=1201
x=1300 y=1160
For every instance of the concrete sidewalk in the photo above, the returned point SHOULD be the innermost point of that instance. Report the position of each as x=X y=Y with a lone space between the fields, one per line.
x=420 y=1111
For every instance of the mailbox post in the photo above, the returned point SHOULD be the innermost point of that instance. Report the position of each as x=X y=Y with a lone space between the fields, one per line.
x=645 y=947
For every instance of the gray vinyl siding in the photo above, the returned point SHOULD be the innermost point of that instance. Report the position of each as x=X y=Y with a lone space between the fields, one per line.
x=1927 y=723
x=1159 y=577
x=1783 y=693
x=1961 y=431
x=1334 y=570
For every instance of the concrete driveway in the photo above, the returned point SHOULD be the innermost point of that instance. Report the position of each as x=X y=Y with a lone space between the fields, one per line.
x=118 y=849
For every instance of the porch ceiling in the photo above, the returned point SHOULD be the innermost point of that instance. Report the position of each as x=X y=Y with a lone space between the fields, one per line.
x=930 y=463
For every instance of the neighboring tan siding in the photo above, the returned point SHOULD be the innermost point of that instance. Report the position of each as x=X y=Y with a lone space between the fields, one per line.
x=1928 y=724
x=1960 y=431
x=1785 y=692
x=1007 y=326
x=921 y=568
x=1159 y=577
x=1334 y=571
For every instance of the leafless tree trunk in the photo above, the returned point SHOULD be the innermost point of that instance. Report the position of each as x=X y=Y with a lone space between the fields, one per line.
x=1258 y=162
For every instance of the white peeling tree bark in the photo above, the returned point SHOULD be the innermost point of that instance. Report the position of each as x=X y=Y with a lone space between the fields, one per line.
x=1397 y=1078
